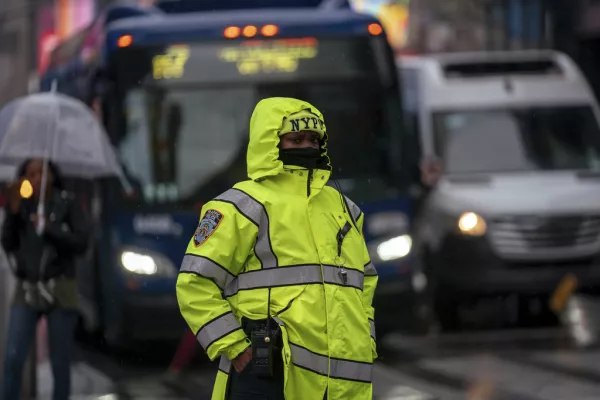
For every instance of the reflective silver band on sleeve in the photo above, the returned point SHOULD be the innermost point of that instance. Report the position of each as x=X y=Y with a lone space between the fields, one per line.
x=224 y=364
x=373 y=333
x=354 y=209
x=255 y=212
x=335 y=368
x=294 y=275
x=217 y=328
x=206 y=268
x=370 y=269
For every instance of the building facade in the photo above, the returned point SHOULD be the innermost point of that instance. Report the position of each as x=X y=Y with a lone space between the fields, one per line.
x=477 y=25
x=16 y=40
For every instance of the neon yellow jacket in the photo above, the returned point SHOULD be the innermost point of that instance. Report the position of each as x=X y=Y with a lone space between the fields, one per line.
x=269 y=232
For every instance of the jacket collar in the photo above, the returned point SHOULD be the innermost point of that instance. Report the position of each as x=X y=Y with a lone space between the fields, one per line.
x=294 y=180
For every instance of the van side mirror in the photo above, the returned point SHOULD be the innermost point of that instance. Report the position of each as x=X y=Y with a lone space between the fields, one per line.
x=431 y=171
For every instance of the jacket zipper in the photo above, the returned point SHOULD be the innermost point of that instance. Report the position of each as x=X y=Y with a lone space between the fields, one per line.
x=341 y=235
x=309 y=178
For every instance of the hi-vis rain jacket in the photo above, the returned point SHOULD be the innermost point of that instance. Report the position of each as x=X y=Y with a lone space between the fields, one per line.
x=280 y=231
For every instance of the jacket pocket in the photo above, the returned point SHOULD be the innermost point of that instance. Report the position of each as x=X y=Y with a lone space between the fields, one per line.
x=345 y=242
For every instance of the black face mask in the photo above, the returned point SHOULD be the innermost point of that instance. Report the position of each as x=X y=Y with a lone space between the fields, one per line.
x=306 y=157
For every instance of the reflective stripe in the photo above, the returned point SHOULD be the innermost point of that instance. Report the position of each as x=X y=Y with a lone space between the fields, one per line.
x=351 y=370
x=293 y=275
x=224 y=364
x=354 y=278
x=373 y=333
x=335 y=368
x=206 y=268
x=354 y=209
x=282 y=276
x=370 y=270
x=255 y=212
x=217 y=328
x=309 y=360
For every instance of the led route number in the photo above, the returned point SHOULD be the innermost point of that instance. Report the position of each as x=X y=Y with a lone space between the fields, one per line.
x=171 y=64
x=254 y=57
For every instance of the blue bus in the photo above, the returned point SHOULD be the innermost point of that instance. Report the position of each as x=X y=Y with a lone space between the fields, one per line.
x=175 y=89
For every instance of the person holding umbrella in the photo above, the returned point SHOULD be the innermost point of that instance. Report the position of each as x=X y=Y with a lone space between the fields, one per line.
x=44 y=229
x=45 y=271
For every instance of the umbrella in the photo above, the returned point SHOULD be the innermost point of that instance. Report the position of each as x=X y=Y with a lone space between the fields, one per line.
x=60 y=129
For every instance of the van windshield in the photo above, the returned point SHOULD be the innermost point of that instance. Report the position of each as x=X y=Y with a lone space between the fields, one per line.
x=518 y=139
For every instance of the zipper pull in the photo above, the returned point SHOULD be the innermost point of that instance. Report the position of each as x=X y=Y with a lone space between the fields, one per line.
x=341 y=235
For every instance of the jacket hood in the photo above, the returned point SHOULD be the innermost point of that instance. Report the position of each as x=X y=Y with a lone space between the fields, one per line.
x=272 y=118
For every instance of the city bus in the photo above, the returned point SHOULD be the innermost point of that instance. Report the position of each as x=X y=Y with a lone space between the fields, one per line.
x=176 y=91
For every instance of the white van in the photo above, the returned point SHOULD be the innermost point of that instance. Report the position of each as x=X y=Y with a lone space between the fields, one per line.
x=517 y=204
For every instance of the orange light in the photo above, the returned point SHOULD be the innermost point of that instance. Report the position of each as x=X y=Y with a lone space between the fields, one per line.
x=231 y=32
x=125 y=41
x=269 y=30
x=375 y=29
x=250 y=31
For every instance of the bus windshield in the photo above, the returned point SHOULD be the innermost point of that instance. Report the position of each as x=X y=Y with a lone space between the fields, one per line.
x=184 y=144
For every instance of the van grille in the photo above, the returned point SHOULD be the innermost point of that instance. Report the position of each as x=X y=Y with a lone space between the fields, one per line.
x=497 y=68
x=531 y=233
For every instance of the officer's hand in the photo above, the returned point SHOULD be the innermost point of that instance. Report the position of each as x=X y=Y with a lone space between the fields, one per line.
x=242 y=360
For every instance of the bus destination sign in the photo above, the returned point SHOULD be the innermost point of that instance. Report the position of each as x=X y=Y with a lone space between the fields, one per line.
x=252 y=60
x=274 y=56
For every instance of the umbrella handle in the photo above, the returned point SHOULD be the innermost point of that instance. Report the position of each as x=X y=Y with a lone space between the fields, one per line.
x=42 y=200
x=41 y=220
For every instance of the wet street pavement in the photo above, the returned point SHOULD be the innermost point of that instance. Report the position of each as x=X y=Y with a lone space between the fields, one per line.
x=534 y=364
x=508 y=365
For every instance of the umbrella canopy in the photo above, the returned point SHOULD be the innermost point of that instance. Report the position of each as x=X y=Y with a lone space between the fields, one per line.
x=60 y=129
x=7 y=173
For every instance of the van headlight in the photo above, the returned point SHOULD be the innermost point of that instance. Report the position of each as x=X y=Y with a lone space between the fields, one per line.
x=394 y=248
x=472 y=224
x=142 y=262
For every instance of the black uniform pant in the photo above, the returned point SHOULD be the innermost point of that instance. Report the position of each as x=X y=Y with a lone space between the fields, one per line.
x=246 y=386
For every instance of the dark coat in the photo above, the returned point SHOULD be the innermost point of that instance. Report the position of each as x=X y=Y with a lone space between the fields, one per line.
x=53 y=254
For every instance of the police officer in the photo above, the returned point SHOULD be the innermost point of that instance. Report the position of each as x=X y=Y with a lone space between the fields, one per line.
x=276 y=280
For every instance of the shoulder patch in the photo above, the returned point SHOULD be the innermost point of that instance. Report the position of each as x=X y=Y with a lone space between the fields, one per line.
x=207 y=226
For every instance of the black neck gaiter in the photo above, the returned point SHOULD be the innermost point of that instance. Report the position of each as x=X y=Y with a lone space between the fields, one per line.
x=307 y=157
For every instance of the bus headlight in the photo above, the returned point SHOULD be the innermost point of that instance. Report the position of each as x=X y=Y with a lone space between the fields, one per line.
x=394 y=248
x=472 y=224
x=141 y=262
